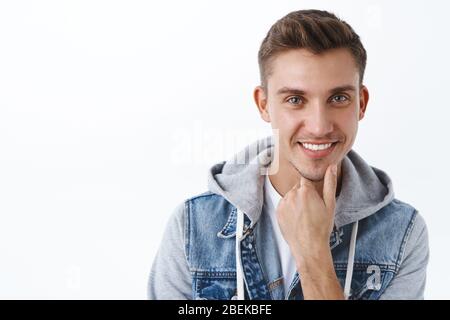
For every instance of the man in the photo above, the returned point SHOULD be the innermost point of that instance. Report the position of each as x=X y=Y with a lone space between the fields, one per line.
x=303 y=216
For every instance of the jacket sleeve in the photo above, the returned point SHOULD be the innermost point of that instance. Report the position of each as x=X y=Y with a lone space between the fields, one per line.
x=170 y=277
x=409 y=282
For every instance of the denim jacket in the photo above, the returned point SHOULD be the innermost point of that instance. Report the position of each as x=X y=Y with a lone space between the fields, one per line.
x=197 y=256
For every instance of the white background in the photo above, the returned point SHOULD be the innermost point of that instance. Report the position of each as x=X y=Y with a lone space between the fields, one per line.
x=111 y=113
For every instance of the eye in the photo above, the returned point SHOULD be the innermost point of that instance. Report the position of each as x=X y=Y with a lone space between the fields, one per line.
x=339 y=98
x=295 y=100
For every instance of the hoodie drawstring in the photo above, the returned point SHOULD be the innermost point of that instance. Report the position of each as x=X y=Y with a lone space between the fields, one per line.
x=351 y=259
x=239 y=269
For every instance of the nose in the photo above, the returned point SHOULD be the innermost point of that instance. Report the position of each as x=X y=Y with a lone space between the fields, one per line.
x=318 y=122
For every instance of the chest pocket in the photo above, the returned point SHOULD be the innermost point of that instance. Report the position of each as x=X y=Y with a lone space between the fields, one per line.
x=214 y=285
x=368 y=281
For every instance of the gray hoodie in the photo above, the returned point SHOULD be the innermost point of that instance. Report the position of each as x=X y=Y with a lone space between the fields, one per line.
x=364 y=191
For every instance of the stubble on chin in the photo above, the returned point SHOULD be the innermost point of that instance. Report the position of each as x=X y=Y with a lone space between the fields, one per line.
x=314 y=177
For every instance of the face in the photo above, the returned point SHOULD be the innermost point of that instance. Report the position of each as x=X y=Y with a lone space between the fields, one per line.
x=315 y=102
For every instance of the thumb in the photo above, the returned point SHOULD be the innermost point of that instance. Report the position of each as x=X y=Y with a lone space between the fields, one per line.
x=329 y=187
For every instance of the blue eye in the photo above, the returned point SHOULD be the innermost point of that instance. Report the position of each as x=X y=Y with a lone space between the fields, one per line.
x=339 y=98
x=295 y=100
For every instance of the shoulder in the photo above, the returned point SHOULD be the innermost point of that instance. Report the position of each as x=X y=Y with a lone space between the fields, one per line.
x=399 y=214
x=206 y=213
x=383 y=236
x=410 y=279
x=208 y=205
x=396 y=214
x=194 y=203
x=204 y=197
x=206 y=216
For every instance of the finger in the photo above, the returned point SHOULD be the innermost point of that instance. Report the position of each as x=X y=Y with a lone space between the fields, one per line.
x=329 y=186
x=305 y=182
x=296 y=185
x=291 y=191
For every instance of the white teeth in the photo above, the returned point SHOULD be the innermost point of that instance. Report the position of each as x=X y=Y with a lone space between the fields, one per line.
x=316 y=147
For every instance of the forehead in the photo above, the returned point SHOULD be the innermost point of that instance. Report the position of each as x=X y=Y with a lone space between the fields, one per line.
x=313 y=72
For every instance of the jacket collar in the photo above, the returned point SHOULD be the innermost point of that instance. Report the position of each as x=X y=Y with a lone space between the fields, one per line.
x=229 y=229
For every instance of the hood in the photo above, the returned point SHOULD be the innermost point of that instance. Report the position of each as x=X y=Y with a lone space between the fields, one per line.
x=240 y=180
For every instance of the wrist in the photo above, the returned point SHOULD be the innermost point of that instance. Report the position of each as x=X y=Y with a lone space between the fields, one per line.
x=314 y=260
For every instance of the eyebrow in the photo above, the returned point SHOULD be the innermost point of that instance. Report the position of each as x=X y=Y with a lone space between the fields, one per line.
x=298 y=91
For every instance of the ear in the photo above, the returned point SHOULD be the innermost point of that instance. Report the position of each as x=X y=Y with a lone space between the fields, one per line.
x=363 y=100
x=260 y=97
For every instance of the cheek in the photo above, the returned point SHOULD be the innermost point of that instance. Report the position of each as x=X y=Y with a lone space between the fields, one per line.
x=288 y=126
x=348 y=124
x=282 y=119
x=350 y=115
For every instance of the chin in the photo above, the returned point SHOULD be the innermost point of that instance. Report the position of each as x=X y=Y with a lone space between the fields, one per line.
x=313 y=174
x=316 y=177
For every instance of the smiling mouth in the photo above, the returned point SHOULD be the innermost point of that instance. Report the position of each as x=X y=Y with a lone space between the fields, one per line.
x=317 y=150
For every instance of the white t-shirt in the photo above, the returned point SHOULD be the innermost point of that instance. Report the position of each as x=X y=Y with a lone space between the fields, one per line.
x=271 y=200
